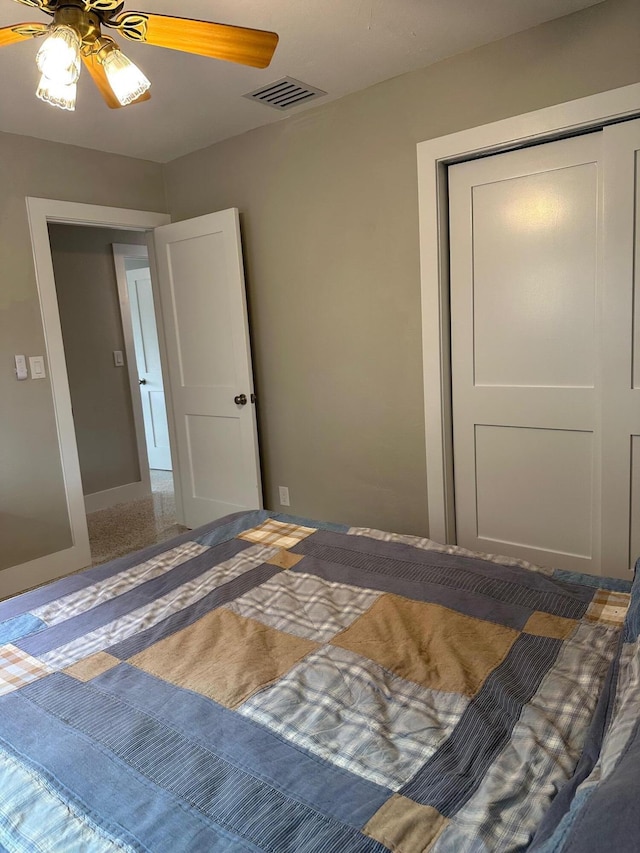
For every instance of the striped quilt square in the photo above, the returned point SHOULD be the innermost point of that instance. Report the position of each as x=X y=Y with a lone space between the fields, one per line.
x=541 y=751
x=18 y=668
x=607 y=607
x=357 y=715
x=430 y=545
x=277 y=533
x=305 y=605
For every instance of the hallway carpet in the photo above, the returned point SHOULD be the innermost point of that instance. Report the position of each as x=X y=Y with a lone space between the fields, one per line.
x=127 y=527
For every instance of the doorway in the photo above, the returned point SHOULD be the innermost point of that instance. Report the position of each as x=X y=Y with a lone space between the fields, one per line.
x=197 y=265
x=111 y=344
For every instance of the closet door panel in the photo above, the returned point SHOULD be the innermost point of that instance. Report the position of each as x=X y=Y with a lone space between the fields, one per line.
x=525 y=231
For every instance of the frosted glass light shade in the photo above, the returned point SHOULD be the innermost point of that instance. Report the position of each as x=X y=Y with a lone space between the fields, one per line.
x=125 y=78
x=58 y=94
x=59 y=57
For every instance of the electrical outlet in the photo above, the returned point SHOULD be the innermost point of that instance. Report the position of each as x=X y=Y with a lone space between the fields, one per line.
x=284 y=495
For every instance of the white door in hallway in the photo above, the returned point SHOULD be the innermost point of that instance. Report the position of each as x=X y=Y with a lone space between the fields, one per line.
x=545 y=322
x=145 y=339
x=201 y=286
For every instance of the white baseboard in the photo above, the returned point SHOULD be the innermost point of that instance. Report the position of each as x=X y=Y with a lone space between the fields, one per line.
x=119 y=495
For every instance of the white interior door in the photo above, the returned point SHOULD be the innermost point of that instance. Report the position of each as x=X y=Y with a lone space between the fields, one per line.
x=525 y=231
x=201 y=286
x=145 y=340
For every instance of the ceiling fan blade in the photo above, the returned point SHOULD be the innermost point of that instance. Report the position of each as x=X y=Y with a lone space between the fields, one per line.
x=219 y=41
x=20 y=32
x=96 y=70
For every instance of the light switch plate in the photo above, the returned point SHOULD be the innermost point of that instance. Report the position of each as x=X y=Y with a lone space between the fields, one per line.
x=118 y=358
x=21 y=367
x=36 y=364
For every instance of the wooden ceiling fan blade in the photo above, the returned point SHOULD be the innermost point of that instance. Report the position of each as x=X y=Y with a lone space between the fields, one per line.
x=219 y=41
x=97 y=72
x=20 y=32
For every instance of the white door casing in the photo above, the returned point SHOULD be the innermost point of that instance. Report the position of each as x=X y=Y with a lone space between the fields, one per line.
x=525 y=235
x=149 y=368
x=203 y=306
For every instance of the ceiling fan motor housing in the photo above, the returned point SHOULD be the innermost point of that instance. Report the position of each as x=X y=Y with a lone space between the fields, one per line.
x=86 y=24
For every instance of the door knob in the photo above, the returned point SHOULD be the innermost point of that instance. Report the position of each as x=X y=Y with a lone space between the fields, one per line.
x=142 y=381
x=240 y=400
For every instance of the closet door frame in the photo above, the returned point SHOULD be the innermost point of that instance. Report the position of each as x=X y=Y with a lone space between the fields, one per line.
x=434 y=157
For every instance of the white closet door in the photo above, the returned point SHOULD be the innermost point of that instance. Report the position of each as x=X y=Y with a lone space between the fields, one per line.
x=621 y=350
x=525 y=230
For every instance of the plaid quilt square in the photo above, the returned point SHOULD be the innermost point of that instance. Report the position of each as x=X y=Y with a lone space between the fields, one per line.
x=353 y=713
x=305 y=605
x=18 y=668
x=277 y=533
x=609 y=608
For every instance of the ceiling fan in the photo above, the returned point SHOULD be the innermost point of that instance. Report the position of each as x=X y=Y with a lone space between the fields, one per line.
x=75 y=36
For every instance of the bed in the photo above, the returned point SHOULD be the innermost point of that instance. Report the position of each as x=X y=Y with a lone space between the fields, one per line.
x=269 y=683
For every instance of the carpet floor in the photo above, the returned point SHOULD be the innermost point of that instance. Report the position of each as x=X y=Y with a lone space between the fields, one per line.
x=127 y=527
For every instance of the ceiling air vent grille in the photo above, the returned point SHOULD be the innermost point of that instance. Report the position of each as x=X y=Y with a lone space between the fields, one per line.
x=285 y=94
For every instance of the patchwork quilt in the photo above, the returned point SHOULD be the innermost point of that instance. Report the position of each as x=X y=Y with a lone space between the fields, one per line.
x=267 y=683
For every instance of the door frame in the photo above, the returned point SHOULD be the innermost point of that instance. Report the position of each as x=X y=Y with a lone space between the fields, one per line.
x=40 y=212
x=434 y=157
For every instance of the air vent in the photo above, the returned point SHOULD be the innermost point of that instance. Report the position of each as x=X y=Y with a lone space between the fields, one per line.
x=285 y=94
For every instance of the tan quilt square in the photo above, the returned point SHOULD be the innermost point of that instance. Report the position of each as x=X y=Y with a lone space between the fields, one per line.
x=429 y=644
x=609 y=608
x=272 y=532
x=224 y=656
x=91 y=667
x=285 y=559
x=406 y=827
x=545 y=625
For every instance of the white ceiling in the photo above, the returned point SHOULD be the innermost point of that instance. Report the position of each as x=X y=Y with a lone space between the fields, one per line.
x=340 y=46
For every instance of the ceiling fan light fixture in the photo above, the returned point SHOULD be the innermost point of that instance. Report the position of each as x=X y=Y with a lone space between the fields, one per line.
x=59 y=57
x=76 y=38
x=62 y=95
x=126 y=80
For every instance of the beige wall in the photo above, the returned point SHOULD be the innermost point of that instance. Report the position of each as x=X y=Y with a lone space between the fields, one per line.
x=33 y=516
x=91 y=330
x=328 y=202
